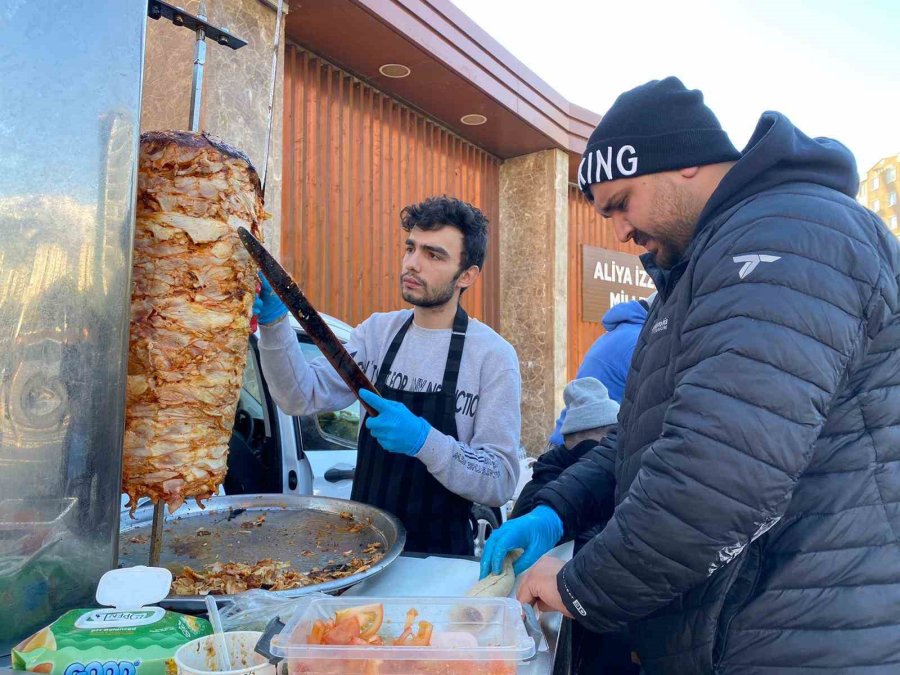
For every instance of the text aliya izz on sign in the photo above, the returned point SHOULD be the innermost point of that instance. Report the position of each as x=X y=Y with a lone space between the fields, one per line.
x=626 y=275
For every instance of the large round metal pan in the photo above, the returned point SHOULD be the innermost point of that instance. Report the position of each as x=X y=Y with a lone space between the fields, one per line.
x=305 y=531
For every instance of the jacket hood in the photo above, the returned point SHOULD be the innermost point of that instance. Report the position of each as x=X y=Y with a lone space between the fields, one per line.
x=625 y=312
x=777 y=153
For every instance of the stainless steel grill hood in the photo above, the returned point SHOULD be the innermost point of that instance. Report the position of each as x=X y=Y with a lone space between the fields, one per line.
x=70 y=93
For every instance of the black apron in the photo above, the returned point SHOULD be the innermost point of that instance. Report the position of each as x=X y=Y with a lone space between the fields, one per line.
x=436 y=520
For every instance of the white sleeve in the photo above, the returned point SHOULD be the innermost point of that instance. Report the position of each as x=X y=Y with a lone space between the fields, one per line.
x=485 y=470
x=298 y=386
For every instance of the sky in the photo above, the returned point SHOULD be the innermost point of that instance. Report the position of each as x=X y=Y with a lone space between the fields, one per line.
x=831 y=66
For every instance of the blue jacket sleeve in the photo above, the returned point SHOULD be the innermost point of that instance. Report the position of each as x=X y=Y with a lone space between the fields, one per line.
x=608 y=360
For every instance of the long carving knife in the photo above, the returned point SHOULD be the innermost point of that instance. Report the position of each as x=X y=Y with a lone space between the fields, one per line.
x=315 y=327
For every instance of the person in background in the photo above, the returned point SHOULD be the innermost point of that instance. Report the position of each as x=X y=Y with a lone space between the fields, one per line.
x=591 y=416
x=610 y=355
x=593 y=397
x=448 y=423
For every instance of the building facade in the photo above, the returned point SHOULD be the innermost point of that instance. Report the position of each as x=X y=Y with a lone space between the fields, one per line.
x=421 y=101
x=381 y=103
x=878 y=191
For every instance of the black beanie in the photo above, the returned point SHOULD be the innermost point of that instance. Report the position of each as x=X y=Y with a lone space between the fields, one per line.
x=658 y=126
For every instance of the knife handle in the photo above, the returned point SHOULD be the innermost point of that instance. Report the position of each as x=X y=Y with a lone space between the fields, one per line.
x=370 y=411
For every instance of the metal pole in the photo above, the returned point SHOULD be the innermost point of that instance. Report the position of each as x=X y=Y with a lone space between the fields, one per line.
x=199 y=63
x=159 y=507
x=159 y=511
x=265 y=166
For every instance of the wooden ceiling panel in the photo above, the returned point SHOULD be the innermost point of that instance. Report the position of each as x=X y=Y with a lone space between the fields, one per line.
x=456 y=70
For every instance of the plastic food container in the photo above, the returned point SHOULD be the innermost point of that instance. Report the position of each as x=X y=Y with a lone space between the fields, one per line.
x=471 y=636
x=199 y=657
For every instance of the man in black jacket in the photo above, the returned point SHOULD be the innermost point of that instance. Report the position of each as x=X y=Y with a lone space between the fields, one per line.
x=756 y=466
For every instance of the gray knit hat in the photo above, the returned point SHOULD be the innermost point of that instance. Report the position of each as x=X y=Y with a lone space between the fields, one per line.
x=588 y=406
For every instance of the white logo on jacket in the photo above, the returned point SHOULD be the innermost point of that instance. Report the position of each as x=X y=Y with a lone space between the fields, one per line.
x=751 y=261
x=660 y=326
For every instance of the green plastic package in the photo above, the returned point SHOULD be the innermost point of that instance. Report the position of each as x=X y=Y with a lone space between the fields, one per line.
x=127 y=639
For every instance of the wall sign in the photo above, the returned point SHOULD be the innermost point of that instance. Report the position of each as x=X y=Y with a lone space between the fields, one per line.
x=610 y=278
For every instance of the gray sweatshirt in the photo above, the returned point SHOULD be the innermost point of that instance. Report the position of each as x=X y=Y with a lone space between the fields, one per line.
x=482 y=465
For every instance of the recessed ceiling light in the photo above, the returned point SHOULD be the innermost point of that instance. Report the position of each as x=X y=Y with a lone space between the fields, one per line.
x=473 y=119
x=394 y=70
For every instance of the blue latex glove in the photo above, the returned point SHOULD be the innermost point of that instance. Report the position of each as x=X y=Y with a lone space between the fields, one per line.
x=268 y=307
x=537 y=532
x=395 y=427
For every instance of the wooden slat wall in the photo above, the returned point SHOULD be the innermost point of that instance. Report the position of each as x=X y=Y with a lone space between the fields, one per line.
x=586 y=226
x=353 y=158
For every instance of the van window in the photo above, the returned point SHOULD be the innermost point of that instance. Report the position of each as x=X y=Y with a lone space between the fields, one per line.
x=340 y=425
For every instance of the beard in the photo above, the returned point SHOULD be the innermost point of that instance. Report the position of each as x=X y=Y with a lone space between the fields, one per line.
x=674 y=214
x=428 y=296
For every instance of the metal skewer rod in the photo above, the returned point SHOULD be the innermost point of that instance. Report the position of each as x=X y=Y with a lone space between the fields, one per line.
x=156 y=532
x=159 y=513
x=199 y=63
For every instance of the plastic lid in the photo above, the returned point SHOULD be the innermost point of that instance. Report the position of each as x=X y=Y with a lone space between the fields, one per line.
x=133 y=587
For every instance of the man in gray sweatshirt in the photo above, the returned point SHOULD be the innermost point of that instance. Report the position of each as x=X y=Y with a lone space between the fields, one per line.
x=448 y=423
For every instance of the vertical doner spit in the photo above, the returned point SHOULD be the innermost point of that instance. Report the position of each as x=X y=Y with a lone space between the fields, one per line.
x=193 y=287
x=192 y=291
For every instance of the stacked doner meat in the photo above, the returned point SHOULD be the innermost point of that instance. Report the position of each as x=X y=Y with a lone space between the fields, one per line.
x=193 y=288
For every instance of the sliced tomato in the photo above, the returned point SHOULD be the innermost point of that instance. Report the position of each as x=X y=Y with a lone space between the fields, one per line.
x=422 y=638
x=317 y=633
x=370 y=618
x=343 y=632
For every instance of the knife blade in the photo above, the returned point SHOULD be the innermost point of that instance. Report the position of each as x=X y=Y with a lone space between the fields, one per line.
x=316 y=328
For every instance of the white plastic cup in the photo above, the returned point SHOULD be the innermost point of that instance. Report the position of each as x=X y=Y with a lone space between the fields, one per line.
x=198 y=657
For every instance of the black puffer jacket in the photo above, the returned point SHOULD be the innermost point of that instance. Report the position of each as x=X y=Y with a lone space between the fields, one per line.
x=757 y=465
x=546 y=469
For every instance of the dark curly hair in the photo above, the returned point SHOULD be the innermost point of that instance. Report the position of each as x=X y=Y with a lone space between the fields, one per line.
x=437 y=212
